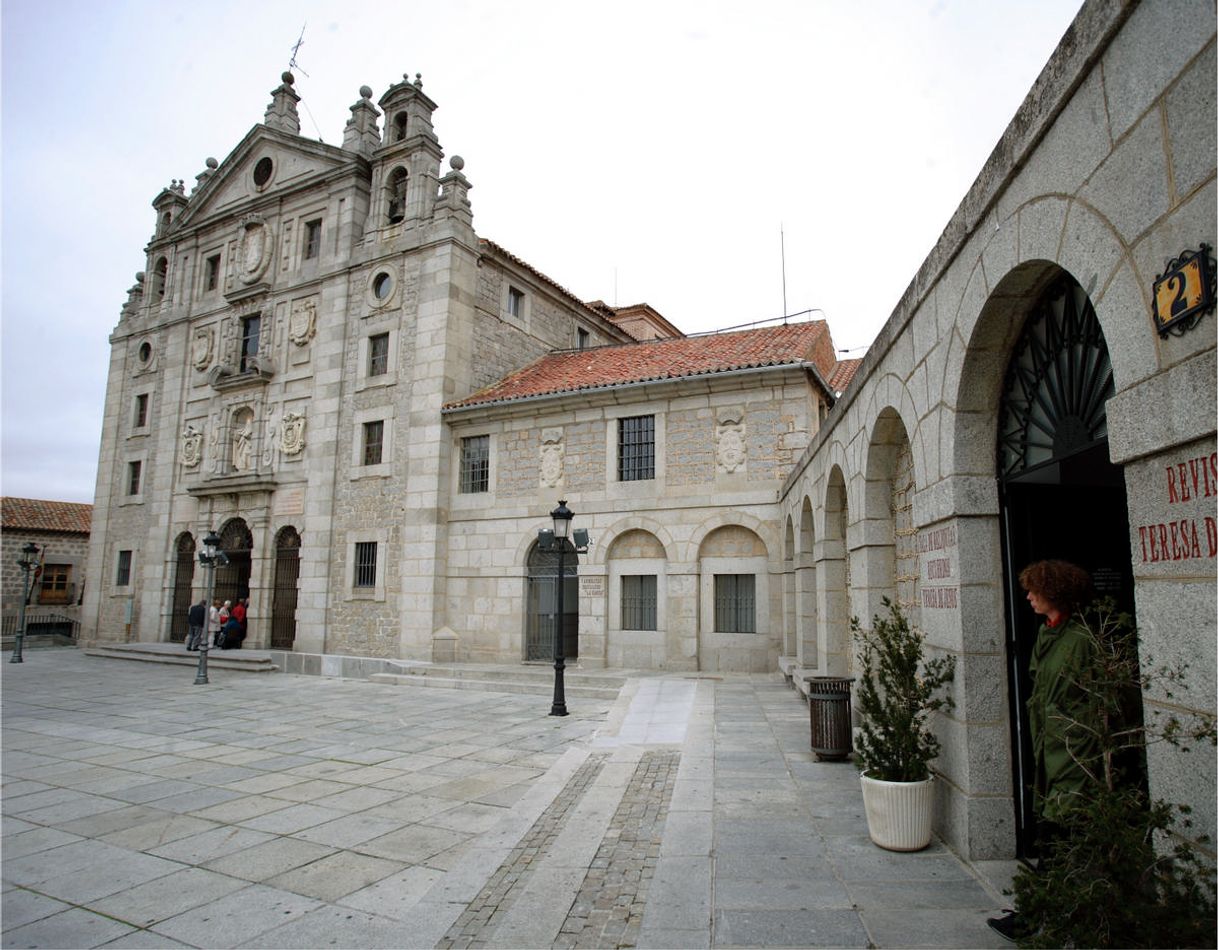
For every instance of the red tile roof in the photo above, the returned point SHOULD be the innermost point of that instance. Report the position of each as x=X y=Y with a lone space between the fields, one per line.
x=842 y=374
x=616 y=365
x=33 y=514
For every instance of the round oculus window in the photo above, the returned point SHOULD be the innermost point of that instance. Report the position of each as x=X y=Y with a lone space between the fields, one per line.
x=263 y=171
x=382 y=286
x=145 y=352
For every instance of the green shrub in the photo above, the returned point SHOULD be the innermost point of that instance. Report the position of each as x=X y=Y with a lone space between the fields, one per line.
x=898 y=690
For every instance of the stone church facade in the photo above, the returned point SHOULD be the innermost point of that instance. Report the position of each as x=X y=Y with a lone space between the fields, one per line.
x=376 y=409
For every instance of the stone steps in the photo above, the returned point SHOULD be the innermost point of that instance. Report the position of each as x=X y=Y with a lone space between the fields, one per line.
x=245 y=661
x=533 y=680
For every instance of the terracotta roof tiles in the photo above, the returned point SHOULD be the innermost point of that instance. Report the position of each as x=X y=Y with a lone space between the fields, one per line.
x=607 y=366
x=34 y=514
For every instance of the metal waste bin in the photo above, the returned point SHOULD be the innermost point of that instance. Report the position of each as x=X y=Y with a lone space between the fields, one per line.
x=829 y=708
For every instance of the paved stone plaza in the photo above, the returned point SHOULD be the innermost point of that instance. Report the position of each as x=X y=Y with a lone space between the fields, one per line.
x=280 y=810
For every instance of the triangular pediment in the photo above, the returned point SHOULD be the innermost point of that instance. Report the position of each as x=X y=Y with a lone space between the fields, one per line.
x=265 y=162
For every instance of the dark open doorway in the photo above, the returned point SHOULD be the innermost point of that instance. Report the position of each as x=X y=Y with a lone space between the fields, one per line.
x=541 y=604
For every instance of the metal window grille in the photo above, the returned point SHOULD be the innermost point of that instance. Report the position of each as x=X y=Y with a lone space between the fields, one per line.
x=735 y=603
x=636 y=448
x=212 y=279
x=141 y=410
x=122 y=576
x=251 y=329
x=475 y=464
x=312 y=239
x=378 y=354
x=638 y=602
x=374 y=438
x=365 y=564
x=134 y=469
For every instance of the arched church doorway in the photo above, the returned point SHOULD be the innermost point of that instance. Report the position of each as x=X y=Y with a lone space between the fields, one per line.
x=183 y=579
x=233 y=578
x=541 y=604
x=283 y=602
x=1060 y=494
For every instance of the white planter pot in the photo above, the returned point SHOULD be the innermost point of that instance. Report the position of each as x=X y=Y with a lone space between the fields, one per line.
x=899 y=813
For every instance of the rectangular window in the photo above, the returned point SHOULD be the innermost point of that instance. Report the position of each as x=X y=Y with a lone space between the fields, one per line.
x=211 y=273
x=735 y=603
x=122 y=576
x=365 y=564
x=134 y=470
x=141 y=410
x=475 y=464
x=515 y=302
x=374 y=439
x=638 y=601
x=378 y=354
x=636 y=448
x=56 y=582
x=312 y=244
x=251 y=328
x=581 y=338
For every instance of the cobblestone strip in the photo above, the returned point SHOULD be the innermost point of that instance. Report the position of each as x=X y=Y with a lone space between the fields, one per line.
x=608 y=911
x=485 y=910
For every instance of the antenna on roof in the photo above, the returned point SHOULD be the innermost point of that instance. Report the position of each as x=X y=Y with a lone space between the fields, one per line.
x=782 y=243
x=292 y=64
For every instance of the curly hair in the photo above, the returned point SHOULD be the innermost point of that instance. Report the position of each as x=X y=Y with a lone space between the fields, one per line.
x=1064 y=585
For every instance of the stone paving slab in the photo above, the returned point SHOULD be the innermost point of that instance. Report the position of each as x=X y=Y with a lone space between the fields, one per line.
x=293 y=811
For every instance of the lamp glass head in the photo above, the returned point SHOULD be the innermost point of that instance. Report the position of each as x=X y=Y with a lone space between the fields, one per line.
x=562 y=516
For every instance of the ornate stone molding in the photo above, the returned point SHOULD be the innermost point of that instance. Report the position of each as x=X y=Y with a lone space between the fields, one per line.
x=731 y=451
x=302 y=323
x=192 y=447
x=552 y=457
x=255 y=240
x=292 y=433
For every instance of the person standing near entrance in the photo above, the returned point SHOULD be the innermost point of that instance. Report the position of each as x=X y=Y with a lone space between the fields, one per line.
x=238 y=614
x=213 y=621
x=1058 y=706
x=196 y=618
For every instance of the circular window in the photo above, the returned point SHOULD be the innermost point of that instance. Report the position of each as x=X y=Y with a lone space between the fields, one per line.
x=382 y=286
x=145 y=352
x=262 y=171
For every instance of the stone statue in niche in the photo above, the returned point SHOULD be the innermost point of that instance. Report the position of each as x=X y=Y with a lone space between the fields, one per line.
x=292 y=435
x=729 y=437
x=201 y=348
x=551 y=457
x=302 y=324
x=243 y=442
x=192 y=446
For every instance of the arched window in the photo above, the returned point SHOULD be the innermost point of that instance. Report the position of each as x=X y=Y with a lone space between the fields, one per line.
x=399 y=127
x=397 y=195
x=160 y=274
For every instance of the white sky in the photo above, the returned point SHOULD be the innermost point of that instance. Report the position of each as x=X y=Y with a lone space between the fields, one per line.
x=631 y=151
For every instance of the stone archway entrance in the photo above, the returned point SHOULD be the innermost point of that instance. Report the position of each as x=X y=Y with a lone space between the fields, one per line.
x=541 y=604
x=1060 y=495
x=183 y=579
x=283 y=603
x=233 y=578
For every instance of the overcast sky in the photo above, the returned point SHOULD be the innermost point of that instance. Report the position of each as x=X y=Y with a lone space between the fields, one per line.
x=631 y=151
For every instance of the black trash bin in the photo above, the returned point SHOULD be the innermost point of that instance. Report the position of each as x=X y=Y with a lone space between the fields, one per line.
x=829 y=708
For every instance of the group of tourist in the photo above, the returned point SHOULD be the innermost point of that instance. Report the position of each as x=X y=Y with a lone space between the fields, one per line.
x=223 y=624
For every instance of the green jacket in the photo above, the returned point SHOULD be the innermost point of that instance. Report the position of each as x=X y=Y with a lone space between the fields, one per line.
x=1058 y=659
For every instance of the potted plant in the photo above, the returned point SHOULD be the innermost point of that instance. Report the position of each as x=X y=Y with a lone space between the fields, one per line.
x=899 y=689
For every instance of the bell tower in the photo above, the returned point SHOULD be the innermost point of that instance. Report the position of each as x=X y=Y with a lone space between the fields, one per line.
x=406 y=166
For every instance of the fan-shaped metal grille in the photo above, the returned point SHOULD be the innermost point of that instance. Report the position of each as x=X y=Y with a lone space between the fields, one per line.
x=1057 y=383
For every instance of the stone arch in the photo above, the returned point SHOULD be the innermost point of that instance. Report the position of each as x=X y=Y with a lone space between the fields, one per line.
x=183 y=585
x=790 y=621
x=833 y=572
x=285 y=591
x=541 y=579
x=233 y=578
x=735 y=629
x=805 y=577
x=888 y=559
x=604 y=539
x=637 y=594
x=395 y=195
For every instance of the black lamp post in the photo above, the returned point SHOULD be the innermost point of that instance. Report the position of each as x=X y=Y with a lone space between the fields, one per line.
x=26 y=563
x=209 y=557
x=559 y=539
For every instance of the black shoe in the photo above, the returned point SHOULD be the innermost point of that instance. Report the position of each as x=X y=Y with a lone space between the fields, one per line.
x=1010 y=926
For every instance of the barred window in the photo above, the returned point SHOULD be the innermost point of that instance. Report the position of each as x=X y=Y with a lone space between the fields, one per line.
x=211 y=278
x=141 y=411
x=735 y=603
x=374 y=440
x=378 y=354
x=122 y=576
x=475 y=464
x=636 y=448
x=638 y=602
x=134 y=471
x=365 y=564
x=312 y=245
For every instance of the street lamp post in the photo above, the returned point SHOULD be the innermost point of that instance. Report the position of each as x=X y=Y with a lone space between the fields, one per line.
x=209 y=557
x=26 y=563
x=558 y=539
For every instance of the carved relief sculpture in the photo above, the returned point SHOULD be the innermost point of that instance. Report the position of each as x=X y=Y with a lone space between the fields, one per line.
x=201 y=346
x=302 y=324
x=729 y=437
x=255 y=248
x=192 y=447
x=551 y=457
x=243 y=441
x=292 y=435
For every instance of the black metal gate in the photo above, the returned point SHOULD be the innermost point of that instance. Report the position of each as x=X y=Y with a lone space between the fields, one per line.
x=283 y=604
x=183 y=579
x=233 y=578
x=542 y=605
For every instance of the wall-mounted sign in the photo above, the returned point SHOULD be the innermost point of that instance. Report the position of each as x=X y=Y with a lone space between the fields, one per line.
x=1184 y=293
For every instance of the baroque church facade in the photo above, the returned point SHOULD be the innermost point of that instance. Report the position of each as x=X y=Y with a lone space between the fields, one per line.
x=377 y=409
